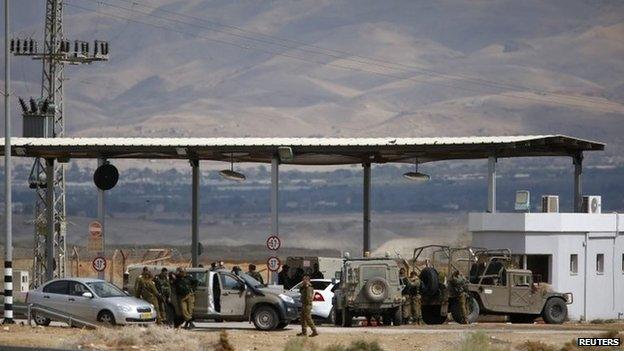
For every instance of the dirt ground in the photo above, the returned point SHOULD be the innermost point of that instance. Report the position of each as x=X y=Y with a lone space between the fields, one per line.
x=206 y=336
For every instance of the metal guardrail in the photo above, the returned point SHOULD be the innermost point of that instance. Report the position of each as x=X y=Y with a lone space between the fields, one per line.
x=57 y=315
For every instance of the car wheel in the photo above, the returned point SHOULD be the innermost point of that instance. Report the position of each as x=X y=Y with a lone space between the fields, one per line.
x=555 y=311
x=41 y=320
x=431 y=314
x=265 y=318
x=473 y=311
x=522 y=318
x=106 y=317
x=347 y=318
x=376 y=289
x=397 y=316
x=337 y=317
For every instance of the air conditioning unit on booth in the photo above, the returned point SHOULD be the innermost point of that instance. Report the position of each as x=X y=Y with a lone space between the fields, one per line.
x=550 y=203
x=592 y=204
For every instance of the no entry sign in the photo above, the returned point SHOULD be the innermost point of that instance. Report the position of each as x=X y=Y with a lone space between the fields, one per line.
x=273 y=264
x=99 y=264
x=273 y=242
x=95 y=229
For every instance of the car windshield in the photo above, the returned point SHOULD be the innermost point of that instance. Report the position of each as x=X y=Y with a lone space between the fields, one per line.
x=105 y=289
x=250 y=280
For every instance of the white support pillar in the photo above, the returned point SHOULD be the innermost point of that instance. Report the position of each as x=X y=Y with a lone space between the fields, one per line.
x=274 y=205
x=195 y=213
x=491 y=184
x=101 y=213
x=50 y=202
x=366 y=240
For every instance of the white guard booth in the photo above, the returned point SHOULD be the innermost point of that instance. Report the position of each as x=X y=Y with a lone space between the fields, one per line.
x=582 y=253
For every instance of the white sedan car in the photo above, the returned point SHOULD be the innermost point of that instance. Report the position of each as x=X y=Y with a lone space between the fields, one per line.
x=323 y=295
x=92 y=300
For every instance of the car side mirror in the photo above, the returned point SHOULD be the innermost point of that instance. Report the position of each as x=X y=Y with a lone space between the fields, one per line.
x=87 y=294
x=334 y=281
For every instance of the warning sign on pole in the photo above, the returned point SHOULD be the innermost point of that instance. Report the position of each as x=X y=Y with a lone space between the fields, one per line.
x=273 y=264
x=273 y=242
x=95 y=237
x=99 y=264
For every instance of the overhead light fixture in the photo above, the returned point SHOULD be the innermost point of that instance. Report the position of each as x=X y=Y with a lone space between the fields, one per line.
x=181 y=151
x=417 y=176
x=285 y=153
x=231 y=174
x=20 y=151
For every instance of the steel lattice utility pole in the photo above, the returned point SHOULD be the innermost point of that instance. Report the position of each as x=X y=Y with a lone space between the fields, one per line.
x=45 y=118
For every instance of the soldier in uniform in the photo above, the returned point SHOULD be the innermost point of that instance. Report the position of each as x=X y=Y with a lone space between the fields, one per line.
x=254 y=274
x=139 y=280
x=283 y=278
x=148 y=292
x=164 y=289
x=459 y=287
x=407 y=287
x=307 y=294
x=415 y=298
x=185 y=291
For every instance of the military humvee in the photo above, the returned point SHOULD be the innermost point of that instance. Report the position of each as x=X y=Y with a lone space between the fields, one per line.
x=503 y=290
x=368 y=287
x=434 y=267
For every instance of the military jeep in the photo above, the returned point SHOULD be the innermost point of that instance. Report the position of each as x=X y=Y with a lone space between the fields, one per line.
x=369 y=287
x=501 y=289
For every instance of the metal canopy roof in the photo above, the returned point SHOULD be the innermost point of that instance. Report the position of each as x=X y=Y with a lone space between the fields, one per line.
x=307 y=151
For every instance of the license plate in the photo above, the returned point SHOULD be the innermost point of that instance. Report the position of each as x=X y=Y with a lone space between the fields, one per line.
x=146 y=315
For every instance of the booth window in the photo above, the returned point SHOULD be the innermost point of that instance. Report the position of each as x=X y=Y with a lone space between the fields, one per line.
x=573 y=264
x=600 y=263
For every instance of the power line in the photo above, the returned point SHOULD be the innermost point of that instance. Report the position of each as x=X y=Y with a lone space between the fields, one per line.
x=371 y=61
x=539 y=99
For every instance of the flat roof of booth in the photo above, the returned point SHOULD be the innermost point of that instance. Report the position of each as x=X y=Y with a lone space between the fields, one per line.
x=306 y=151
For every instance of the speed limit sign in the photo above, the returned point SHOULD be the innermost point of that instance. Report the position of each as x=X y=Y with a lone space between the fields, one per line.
x=273 y=242
x=99 y=264
x=273 y=264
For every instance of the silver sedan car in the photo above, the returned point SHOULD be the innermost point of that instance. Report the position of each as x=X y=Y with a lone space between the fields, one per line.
x=91 y=300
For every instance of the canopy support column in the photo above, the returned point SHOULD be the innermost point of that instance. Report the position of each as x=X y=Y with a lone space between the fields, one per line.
x=195 y=213
x=578 y=189
x=50 y=202
x=101 y=211
x=366 y=247
x=491 y=184
x=274 y=205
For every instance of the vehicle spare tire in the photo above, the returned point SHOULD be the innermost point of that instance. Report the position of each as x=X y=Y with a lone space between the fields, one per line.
x=376 y=289
x=430 y=281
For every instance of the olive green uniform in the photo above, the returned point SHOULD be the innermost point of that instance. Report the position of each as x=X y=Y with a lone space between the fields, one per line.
x=459 y=287
x=307 y=294
x=415 y=300
x=407 y=287
x=185 y=291
x=147 y=291
x=164 y=289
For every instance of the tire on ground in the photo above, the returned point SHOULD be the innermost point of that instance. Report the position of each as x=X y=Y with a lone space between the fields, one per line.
x=397 y=316
x=376 y=289
x=265 y=318
x=41 y=320
x=430 y=281
x=555 y=311
x=106 y=317
x=431 y=314
x=473 y=315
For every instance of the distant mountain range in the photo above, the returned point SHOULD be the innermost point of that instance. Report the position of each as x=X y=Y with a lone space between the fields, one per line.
x=342 y=68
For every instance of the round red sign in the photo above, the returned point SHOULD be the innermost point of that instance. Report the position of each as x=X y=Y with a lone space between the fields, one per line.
x=99 y=264
x=273 y=264
x=273 y=242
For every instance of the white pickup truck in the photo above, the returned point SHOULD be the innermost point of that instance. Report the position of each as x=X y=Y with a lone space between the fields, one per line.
x=222 y=295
